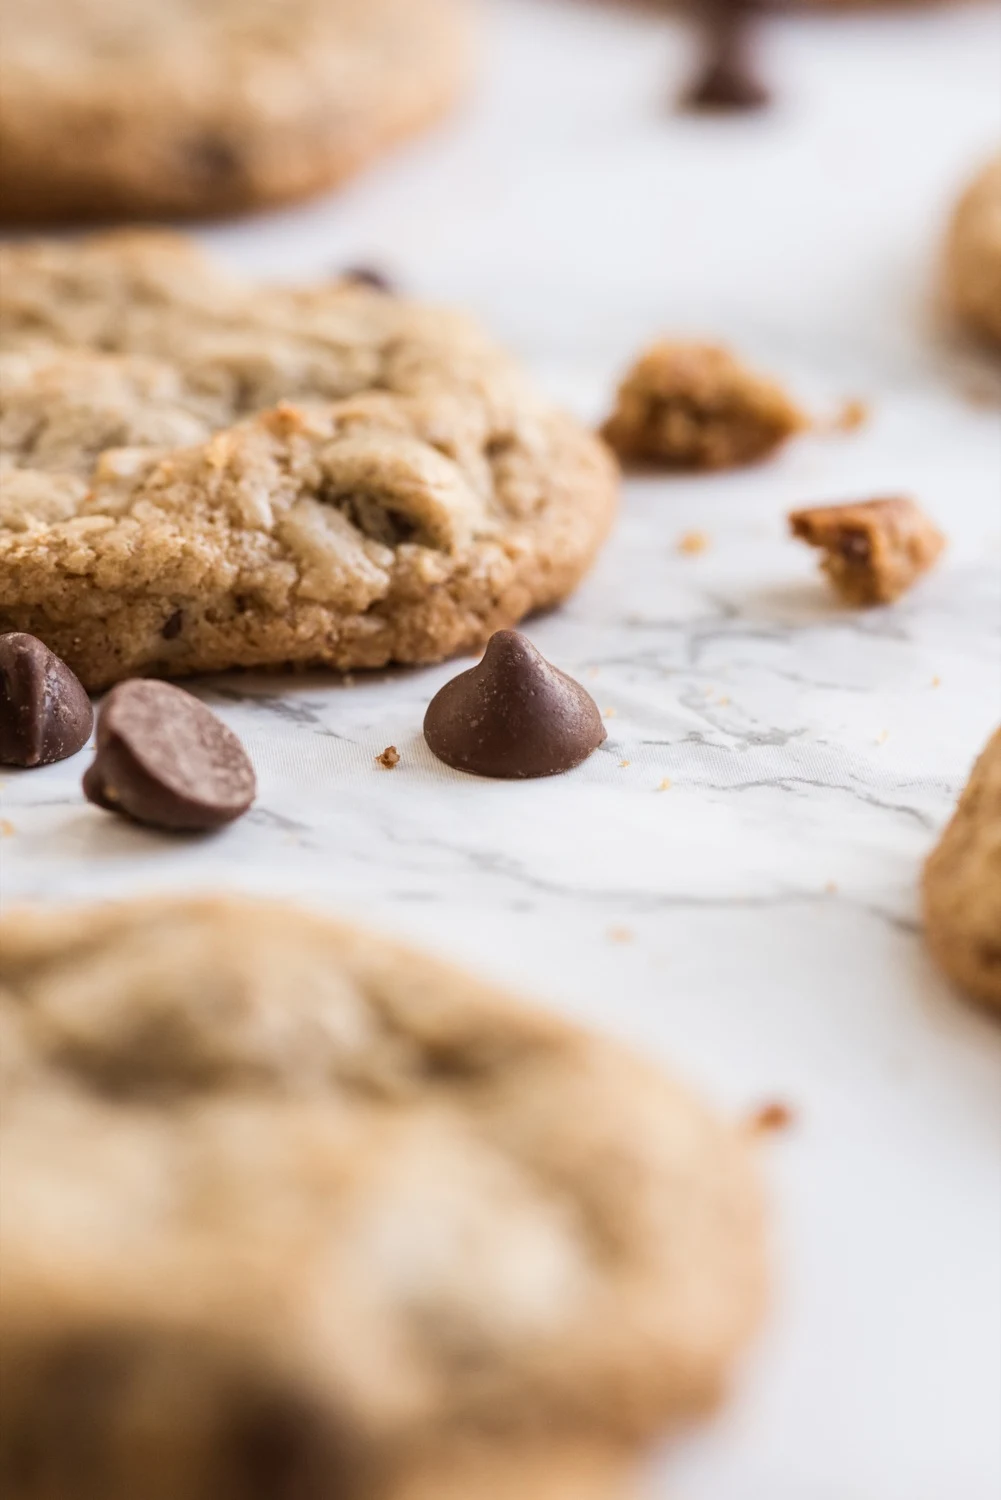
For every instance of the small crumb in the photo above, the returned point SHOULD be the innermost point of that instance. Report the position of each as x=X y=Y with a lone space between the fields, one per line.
x=723 y=701
x=623 y=764
x=936 y=681
x=769 y=1118
x=7 y=830
x=593 y=672
x=665 y=785
x=709 y=692
x=854 y=413
x=620 y=934
x=693 y=542
x=882 y=737
x=609 y=713
x=389 y=758
x=831 y=888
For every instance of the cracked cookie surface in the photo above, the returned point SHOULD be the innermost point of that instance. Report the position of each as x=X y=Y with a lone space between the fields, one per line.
x=264 y=1173
x=200 y=473
x=962 y=885
x=158 y=108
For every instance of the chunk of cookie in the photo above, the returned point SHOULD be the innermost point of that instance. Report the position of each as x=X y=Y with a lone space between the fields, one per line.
x=158 y=108
x=314 y=1201
x=874 y=550
x=202 y=473
x=695 y=406
x=973 y=254
x=962 y=885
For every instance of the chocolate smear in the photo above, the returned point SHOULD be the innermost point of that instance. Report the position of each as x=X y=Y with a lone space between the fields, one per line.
x=45 y=715
x=514 y=715
x=728 y=80
x=163 y=758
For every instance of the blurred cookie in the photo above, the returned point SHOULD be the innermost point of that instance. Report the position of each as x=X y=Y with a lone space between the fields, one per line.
x=281 y=1199
x=201 y=473
x=129 y=108
x=962 y=885
x=973 y=254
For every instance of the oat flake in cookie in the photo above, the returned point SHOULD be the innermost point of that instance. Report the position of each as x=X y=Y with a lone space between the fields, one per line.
x=325 y=1199
x=201 y=473
x=160 y=108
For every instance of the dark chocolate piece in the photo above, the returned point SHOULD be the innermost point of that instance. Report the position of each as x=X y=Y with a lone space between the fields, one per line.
x=728 y=80
x=45 y=715
x=163 y=758
x=369 y=276
x=514 y=715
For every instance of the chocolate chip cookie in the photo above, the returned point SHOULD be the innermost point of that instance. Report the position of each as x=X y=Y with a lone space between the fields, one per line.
x=973 y=254
x=281 y=1199
x=962 y=885
x=158 y=108
x=200 y=473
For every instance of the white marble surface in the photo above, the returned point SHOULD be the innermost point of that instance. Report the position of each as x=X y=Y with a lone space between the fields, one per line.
x=756 y=922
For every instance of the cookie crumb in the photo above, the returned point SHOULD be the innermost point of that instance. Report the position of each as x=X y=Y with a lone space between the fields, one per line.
x=693 y=542
x=723 y=700
x=882 y=737
x=696 y=406
x=936 y=681
x=770 y=1118
x=623 y=764
x=389 y=758
x=831 y=888
x=620 y=934
x=854 y=413
x=593 y=672
x=609 y=713
x=874 y=550
x=665 y=785
x=7 y=830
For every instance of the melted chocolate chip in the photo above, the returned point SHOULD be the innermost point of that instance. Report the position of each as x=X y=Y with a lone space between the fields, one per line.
x=369 y=276
x=45 y=715
x=514 y=715
x=728 y=79
x=163 y=758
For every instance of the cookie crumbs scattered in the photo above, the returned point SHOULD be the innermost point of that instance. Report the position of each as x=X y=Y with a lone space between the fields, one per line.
x=7 y=830
x=623 y=764
x=665 y=785
x=620 y=934
x=693 y=542
x=770 y=1118
x=854 y=413
x=389 y=758
x=873 y=550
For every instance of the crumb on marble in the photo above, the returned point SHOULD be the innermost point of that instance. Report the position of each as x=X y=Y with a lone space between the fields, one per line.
x=770 y=1118
x=694 y=406
x=609 y=713
x=593 y=672
x=831 y=888
x=854 y=413
x=620 y=934
x=882 y=737
x=665 y=785
x=389 y=758
x=873 y=550
x=623 y=764
x=936 y=681
x=7 y=829
x=694 y=542
x=723 y=700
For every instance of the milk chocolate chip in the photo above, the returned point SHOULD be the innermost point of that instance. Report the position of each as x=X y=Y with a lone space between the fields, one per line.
x=728 y=79
x=45 y=715
x=163 y=758
x=514 y=715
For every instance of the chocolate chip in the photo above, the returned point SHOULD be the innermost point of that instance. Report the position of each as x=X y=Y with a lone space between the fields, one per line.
x=163 y=758
x=213 y=159
x=173 y=625
x=728 y=80
x=513 y=715
x=45 y=715
x=369 y=276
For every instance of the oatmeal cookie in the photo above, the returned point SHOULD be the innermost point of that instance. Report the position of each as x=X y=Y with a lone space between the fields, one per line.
x=199 y=474
x=962 y=885
x=696 y=406
x=159 y=108
x=282 y=1199
x=973 y=254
